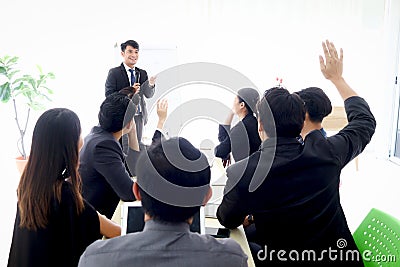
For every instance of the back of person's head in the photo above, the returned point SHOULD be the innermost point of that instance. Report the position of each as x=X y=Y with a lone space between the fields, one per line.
x=250 y=97
x=132 y=43
x=54 y=156
x=116 y=111
x=130 y=92
x=287 y=110
x=174 y=162
x=316 y=102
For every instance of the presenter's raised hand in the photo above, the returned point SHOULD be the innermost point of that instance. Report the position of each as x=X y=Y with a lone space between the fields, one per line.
x=152 y=80
x=332 y=65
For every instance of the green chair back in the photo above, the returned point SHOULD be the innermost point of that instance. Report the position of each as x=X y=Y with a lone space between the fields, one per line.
x=378 y=239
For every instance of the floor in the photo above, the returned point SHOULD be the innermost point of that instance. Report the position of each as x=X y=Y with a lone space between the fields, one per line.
x=375 y=184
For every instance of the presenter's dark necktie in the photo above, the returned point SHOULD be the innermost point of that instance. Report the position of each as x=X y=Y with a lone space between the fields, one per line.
x=133 y=80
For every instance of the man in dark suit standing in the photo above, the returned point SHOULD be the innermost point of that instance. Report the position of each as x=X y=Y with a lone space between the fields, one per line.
x=128 y=75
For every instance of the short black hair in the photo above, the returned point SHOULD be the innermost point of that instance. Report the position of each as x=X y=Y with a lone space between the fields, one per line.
x=158 y=167
x=250 y=97
x=116 y=111
x=317 y=103
x=132 y=43
x=281 y=113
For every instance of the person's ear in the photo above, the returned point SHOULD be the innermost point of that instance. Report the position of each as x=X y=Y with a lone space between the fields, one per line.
x=260 y=127
x=136 y=191
x=261 y=132
x=128 y=127
x=207 y=196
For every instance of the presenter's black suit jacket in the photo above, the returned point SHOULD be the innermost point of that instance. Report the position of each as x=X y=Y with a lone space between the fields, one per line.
x=117 y=79
x=297 y=204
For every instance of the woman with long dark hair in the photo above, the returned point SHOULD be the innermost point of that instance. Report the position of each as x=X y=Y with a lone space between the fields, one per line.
x=54 y=224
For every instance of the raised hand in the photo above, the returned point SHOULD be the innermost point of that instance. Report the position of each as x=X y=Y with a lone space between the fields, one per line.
x=162 y=110
x=332 y=66
x=152 y=80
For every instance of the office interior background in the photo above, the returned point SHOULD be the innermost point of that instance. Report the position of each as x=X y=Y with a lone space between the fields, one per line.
x=79 y=42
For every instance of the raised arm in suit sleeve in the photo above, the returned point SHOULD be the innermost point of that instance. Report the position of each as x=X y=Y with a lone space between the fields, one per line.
x=131 y=160
x=224 y=148
x=352 y=139
x=111 y=83
x=145 y=88
x=109 y=163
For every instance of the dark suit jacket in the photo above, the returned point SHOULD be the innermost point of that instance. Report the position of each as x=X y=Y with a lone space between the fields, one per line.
x=242 y=140
x=104 y=177
x=117 y=79
x=297 y=205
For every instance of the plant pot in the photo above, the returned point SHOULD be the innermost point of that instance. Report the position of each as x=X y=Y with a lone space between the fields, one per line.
x=21 y=163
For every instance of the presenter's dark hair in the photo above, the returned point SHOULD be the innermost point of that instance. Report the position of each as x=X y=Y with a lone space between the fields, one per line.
x=115 y=112
x=316 y=102
x=162 y=166
x=288 y=113
x=132 y=43
x=54 y=156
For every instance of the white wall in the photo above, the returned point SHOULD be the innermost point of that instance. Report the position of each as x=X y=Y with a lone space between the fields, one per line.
x=261 y=39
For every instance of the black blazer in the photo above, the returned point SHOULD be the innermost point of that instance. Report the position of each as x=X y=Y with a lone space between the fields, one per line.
x=292 y=189
x=117 y=79
x=104 y=177
x=242 y=140
x=105 y=180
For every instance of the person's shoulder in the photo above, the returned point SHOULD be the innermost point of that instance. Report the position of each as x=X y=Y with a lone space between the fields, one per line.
x=225 y=245
x=113 y=245
x=250 y=118
x=117 y=67
x=142 y=71
x=250 y=121
x=66 y=191
x=115 y=72
x=246 y=162
x=100 y=138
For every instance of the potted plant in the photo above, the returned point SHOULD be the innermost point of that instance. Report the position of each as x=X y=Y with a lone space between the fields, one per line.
x=23 y=89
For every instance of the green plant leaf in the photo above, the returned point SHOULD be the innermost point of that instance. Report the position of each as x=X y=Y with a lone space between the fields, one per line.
x=17 y=88
x=45 y=97
x=19 y=80
x=31 y=81
x=39 y=68
x=51 y=75
x=36 y=106
x=49 y=91
x=12 y=73
x=4 y=59
x=12 y=60
x=21 y=89
x=2 y=70
x=5 y=92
